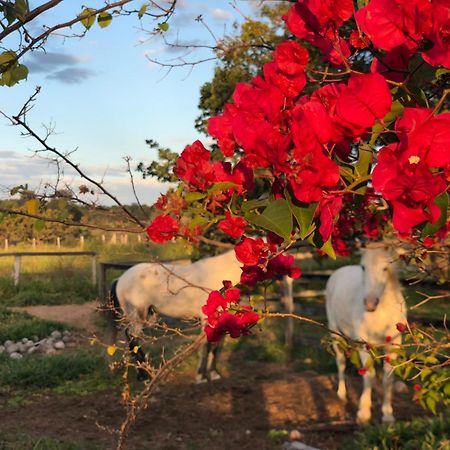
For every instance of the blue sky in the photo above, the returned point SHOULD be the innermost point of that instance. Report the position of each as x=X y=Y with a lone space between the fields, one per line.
x=104 y=98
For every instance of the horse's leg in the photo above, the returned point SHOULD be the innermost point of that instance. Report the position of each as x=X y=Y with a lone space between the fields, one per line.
x=388 y=381
x=340 y=363
x=112 y=314
x=137 y=318
x=365 y=401
x=212 y=359
x=202 y=371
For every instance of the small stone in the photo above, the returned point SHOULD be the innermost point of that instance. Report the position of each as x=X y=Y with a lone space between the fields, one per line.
x=308 y=360
x=24 y=340
x=296 y=445
x=66 y=333
x=29 y=344
x=248 y=432
x=21 y=347
x=15 y=355
x=66 y=338
x=56 y=335
x=59 y=345
x=8 y=343
x=12 y=348
x=295 y=435
x=32 y=350
x=2 y=349
x=35 y=338
x=50 y=351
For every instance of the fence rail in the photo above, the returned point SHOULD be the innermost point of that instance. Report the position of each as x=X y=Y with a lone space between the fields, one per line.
x=19 y=255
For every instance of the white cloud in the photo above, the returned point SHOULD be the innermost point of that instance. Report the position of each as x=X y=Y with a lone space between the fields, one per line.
x=219 y=13
x=38 y=172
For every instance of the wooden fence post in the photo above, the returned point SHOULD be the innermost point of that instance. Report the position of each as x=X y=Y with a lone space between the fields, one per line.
x=16 y=272
x=94 y=270
x=287 y=298
x=102 y=284
x=81 y=241
x=6 y=245
x=58 y=242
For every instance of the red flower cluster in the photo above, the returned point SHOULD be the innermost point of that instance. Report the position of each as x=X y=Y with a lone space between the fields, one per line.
x=232 y=225
x=255 y=254
x=221 y=322
x=406 y=172
x=162 y=229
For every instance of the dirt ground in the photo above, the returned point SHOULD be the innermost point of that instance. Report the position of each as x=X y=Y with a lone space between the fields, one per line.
x=236 y=412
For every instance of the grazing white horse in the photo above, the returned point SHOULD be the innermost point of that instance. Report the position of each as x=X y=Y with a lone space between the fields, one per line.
x=177 y=291
x=365 y=302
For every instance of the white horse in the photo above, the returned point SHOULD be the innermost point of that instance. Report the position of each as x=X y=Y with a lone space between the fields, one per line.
x=177 y=291
x=364 y=303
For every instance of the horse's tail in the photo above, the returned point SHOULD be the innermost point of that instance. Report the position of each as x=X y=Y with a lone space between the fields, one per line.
x=113 y=313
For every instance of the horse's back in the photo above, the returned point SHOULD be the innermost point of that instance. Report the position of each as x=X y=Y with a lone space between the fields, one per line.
x=343 y=292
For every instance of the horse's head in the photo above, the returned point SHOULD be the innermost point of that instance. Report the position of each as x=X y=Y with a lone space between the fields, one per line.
x=376 y=269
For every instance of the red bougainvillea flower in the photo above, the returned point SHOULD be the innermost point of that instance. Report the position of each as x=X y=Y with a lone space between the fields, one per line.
x=358 y=40
x=314 y=173
x=236 y=325
x=417 y=387
x=249 y=251
x=234 y=226
x=193 y=166
x=220 y=321
x=438 y=34
x=362 y=371
x=162 y=229
x=410 y=186
x=220 y=127
x=328 y=209
x=394 y=65
x=401 y=327
x=388 y=339
x=365 y=100
x=317 y=22
x=291 y=58
x=425 y=136
x=390 y=23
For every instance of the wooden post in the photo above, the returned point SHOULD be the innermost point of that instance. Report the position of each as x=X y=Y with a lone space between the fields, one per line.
x=81 y=241
x=94 y=270
x=102 y=284
x=139 y=238
x=114 y=238
x=58 y=242
x=287 y=298
x=33 y=242
x=16 y=272
x=103 y=238
x=6 y=245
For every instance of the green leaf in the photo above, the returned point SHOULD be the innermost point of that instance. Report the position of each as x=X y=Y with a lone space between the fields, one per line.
x=6 y=58
x=21 y=9
x=142 y=10
x=198 y=220
x=431 y=404
x=254 y=204
x=277 y=217
x=442 y=202
x=328 y=249
x=304 y=214
x=87 y=17
x=164 y=26
x=364 y=160
x=222 y=186
x=441 y=72
x=104 y=19
x=194 y=196
x=355 y=359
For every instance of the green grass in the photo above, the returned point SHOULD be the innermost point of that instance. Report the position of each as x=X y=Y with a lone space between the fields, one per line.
x=17 y=325
x=16 y=441
x=420 y=434
x=73 y=372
